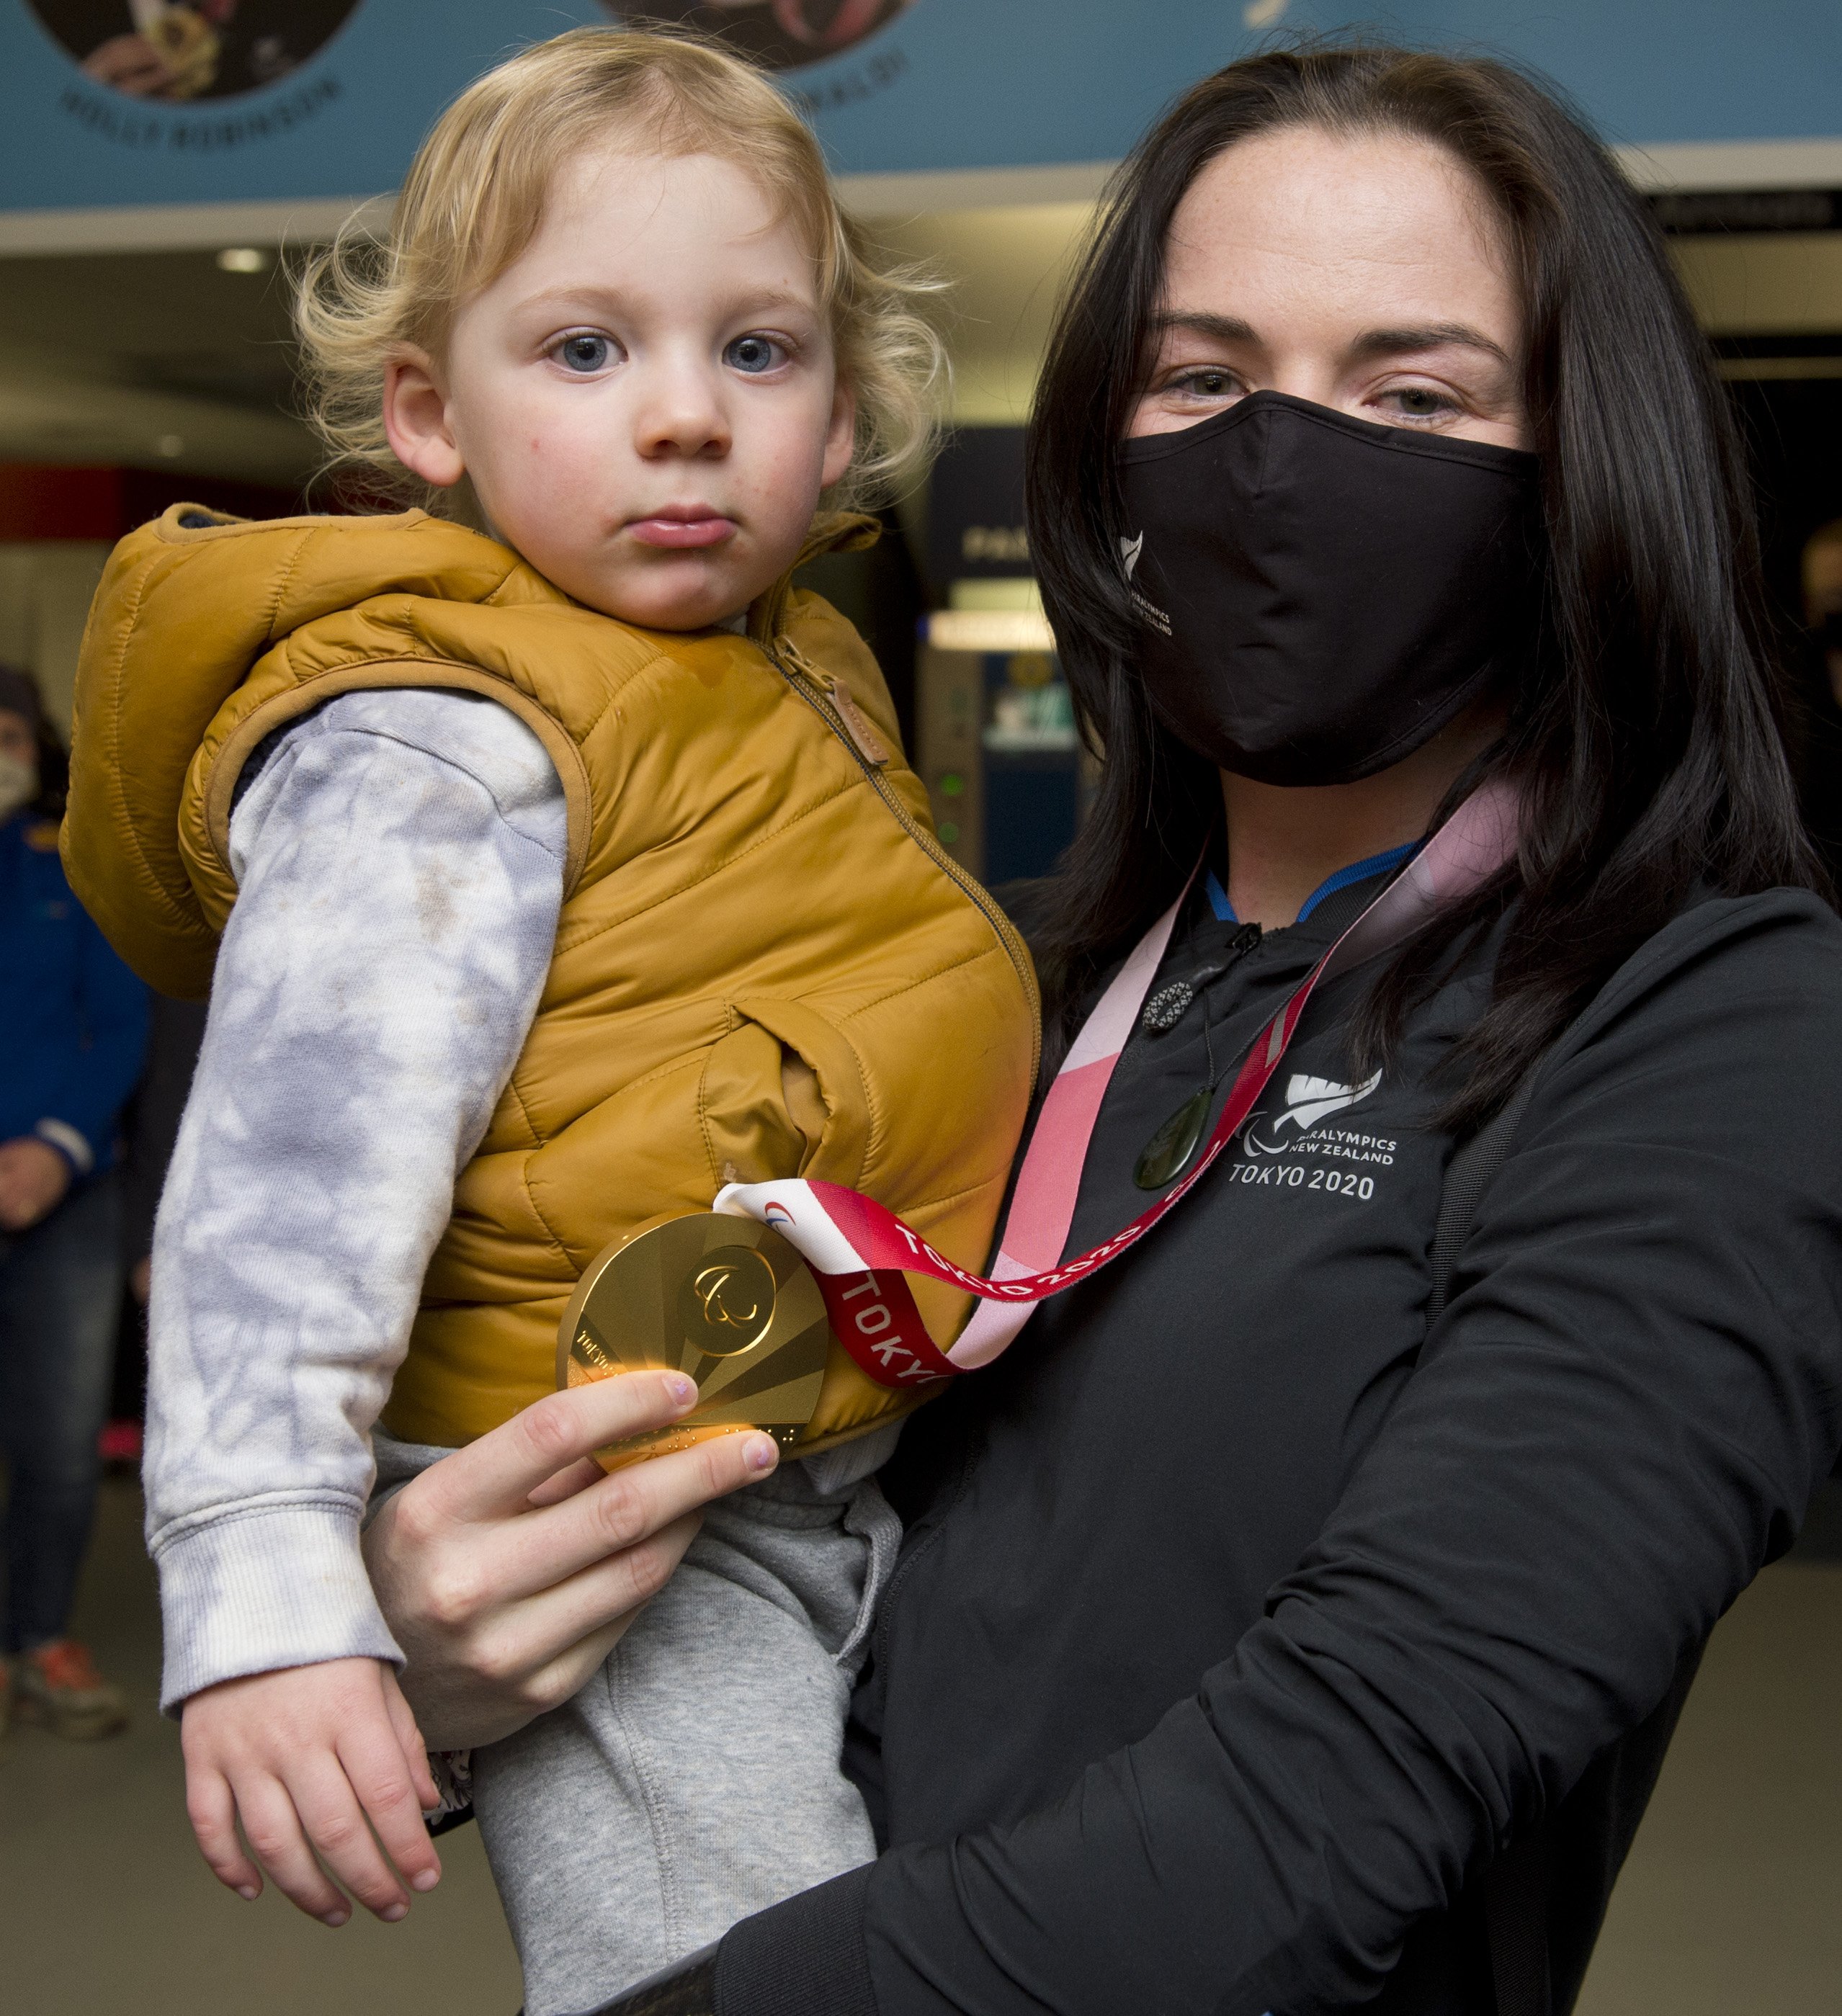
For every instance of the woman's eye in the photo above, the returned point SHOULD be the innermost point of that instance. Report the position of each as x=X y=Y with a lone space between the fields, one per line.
x=585 y=353
x=1206 y=384
x=1420 y=402
x=753 y=354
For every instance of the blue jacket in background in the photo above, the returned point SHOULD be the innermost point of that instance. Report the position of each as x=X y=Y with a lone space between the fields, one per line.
x=73 y=1018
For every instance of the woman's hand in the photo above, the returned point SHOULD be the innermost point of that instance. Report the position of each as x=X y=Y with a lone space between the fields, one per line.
x=509 y=1570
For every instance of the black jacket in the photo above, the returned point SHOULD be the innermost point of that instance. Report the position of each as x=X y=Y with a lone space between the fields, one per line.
x=1234 y=1637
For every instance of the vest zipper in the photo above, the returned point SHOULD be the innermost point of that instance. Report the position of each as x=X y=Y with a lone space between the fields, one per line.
x=868 y=742
x=831 y=700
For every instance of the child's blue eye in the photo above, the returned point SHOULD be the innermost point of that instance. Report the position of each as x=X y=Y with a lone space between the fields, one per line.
x=583 y=353
x=753 y=354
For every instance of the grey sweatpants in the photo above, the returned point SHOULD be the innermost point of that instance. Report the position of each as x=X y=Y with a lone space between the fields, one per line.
x=697 y=1777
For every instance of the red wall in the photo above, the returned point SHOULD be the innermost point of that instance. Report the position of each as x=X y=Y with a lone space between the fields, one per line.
x=40 y=502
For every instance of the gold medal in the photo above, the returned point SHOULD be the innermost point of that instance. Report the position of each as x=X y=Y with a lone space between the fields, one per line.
x=724 y=1299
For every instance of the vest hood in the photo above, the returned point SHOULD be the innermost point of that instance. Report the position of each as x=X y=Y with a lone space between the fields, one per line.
x=192 y=605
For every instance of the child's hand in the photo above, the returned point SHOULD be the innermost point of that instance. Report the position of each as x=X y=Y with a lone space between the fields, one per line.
x=304 y=1758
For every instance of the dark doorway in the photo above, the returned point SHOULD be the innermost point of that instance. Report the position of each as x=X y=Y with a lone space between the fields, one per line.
x=1793 y=429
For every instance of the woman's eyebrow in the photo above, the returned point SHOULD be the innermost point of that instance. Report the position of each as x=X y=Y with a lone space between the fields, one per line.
x=1218 y=328
x=1432 y=336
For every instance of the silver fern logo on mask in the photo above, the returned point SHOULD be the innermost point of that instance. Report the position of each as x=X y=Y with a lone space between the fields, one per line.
x=1130 y=550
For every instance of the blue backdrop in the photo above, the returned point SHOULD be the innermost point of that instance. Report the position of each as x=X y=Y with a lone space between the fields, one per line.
x=940 y=84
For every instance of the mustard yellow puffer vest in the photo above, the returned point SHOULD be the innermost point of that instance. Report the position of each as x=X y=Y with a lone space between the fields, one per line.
x=765 y=966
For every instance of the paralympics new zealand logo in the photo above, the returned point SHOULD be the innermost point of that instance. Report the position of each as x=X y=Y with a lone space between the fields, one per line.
x=1309 y=1102
x=1131 y=551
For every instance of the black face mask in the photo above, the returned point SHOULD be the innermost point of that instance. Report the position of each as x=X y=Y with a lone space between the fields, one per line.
x=1319 y=596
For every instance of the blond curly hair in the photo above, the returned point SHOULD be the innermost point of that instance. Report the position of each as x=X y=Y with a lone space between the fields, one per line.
x=474 y=196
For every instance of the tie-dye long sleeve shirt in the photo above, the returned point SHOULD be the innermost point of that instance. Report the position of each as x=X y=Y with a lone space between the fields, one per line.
x=399 y=864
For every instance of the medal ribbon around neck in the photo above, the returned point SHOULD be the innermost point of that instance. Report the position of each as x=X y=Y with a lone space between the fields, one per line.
x=860 y=1251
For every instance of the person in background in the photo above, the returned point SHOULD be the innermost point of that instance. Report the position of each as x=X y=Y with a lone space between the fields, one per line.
x=72 y=1027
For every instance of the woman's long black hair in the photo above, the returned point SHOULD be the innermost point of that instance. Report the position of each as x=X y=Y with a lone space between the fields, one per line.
x=1647 y=737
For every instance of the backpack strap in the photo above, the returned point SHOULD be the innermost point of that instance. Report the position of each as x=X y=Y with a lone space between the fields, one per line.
x=1516 y=1884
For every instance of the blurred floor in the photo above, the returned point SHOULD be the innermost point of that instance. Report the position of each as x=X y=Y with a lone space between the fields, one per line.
x=1731 y=1901
x=105 y=1906
x=1731 y=1904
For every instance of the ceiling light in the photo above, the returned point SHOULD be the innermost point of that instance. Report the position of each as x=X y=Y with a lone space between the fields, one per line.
x=243 y=259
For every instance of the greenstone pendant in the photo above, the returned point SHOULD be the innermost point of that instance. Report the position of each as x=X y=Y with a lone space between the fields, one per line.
x=1167 y=1154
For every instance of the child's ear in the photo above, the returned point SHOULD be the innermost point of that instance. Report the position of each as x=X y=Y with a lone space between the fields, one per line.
x=415 y=420
x=840 y=435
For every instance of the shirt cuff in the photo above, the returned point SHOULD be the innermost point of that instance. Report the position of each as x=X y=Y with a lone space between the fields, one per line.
x=70 y=1142
x=804 y=1955
x=263 y=1585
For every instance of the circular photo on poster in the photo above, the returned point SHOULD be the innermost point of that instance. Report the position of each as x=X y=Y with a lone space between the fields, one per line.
x=200 y=49
x=782 y=34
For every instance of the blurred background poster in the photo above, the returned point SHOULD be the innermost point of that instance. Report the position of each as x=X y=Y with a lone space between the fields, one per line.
x=118 y=102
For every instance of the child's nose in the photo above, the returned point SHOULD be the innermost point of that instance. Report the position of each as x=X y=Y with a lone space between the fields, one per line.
x=683 y=414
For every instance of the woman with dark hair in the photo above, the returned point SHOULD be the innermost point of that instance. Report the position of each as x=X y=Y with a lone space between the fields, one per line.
x=1294 y=1618
x=1641 y=722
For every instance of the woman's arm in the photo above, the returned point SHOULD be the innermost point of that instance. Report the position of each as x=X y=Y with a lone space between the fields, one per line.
x=1621 y=1416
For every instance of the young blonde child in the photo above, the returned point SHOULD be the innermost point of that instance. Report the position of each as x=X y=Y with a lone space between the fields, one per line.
x=546 y=875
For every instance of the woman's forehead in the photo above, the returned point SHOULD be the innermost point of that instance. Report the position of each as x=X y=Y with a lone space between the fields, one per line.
x=1372 y=222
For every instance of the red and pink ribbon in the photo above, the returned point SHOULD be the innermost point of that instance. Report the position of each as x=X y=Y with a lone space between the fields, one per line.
x=860 y=1251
